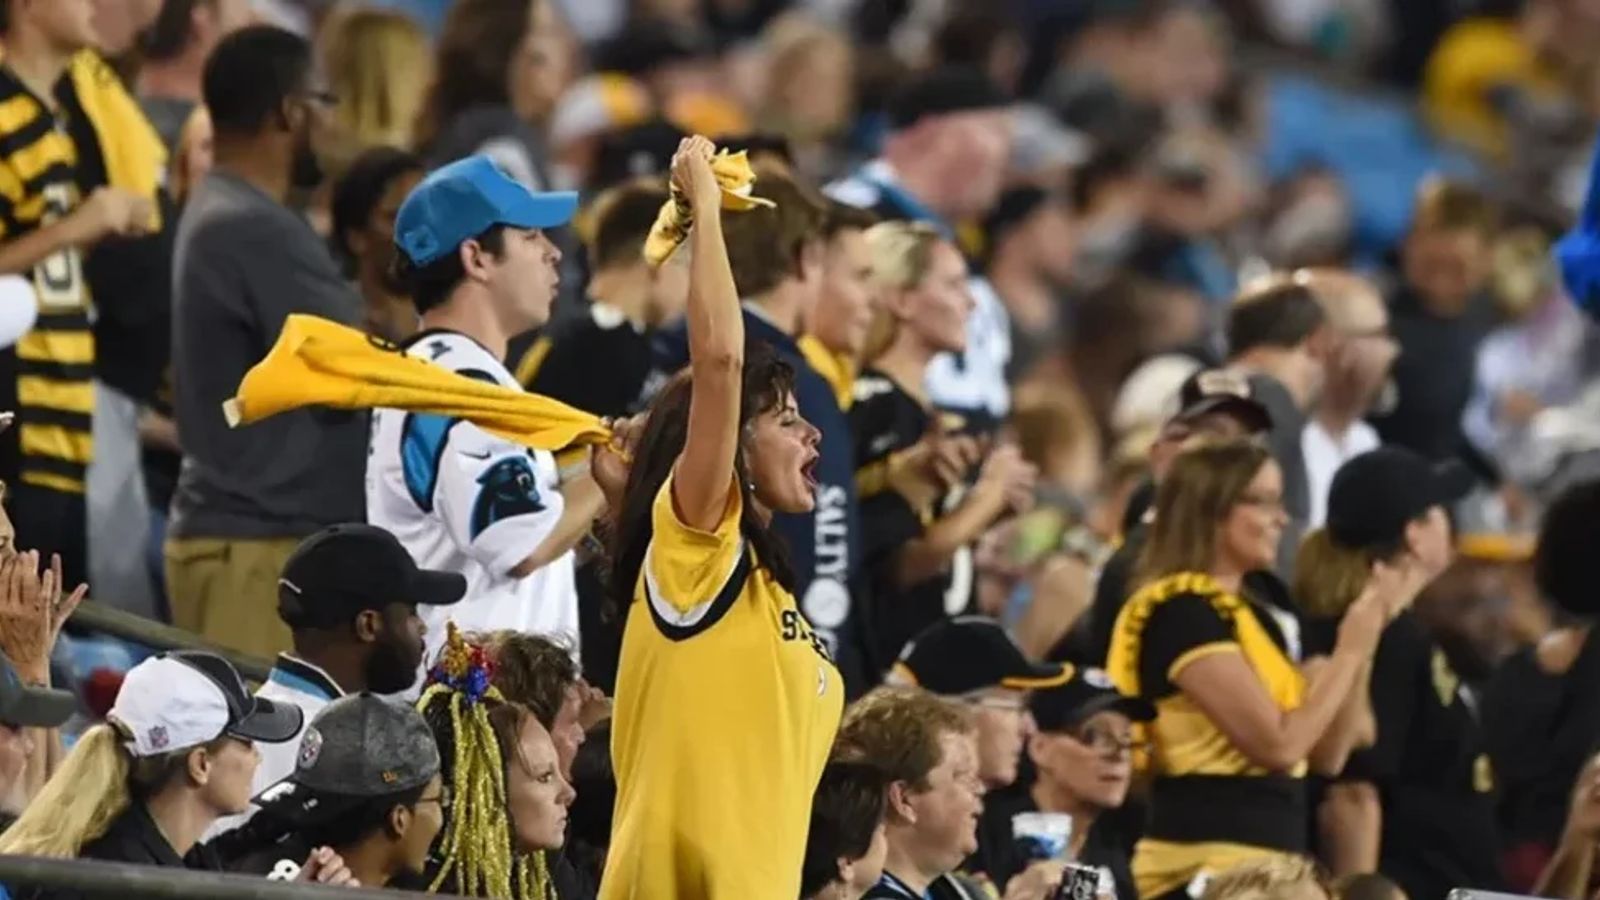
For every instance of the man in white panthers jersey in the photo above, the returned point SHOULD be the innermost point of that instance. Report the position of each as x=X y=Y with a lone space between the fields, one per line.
x=480 y=268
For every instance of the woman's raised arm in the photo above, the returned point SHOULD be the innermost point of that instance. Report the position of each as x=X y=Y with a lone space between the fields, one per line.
x=704 y=473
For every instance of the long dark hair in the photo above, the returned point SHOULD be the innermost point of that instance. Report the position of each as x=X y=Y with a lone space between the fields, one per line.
x=473 y=60
x=767 y=380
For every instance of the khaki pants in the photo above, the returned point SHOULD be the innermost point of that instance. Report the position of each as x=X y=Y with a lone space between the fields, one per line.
x=226 y=591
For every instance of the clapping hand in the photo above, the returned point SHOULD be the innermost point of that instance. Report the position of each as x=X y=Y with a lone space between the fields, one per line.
x=32 y=611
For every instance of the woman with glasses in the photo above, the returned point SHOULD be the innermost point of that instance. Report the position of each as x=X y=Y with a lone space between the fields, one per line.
x=1082 y=755
x=1237 y=719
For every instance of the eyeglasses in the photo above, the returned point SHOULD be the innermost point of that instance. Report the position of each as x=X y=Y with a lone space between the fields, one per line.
x=443 y=799
x=1262 y=501
x=1110 y=743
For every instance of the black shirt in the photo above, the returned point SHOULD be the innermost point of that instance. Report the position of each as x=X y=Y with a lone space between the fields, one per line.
x=1002 y=858
x=1433 y=378
x=1431 y=769
x=134 y=838
x=1541 y=728
x=886 y=420
x=597 y=361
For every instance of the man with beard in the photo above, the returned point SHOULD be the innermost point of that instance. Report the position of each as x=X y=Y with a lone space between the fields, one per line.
x=244 y=263
x=350 y=595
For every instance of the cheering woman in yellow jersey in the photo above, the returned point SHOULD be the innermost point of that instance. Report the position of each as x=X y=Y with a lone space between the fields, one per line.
x=726 y=703
x=1237 y=719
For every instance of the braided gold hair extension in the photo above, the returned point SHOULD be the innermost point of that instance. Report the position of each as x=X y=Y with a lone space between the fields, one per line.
x=476 y=846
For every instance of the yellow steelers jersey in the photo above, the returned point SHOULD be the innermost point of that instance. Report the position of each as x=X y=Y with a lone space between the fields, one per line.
x=726 y=707
x=55 y=361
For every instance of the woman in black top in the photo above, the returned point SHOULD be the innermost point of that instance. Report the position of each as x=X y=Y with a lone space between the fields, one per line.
x=917 y=544
x=1423 y=793
x=1238 y=721
x=176 y=754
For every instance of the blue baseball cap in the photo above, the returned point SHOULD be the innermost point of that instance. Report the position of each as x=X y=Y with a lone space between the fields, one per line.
x=463 y=200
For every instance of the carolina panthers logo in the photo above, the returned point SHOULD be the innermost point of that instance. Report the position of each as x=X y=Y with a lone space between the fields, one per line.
x=509 y=488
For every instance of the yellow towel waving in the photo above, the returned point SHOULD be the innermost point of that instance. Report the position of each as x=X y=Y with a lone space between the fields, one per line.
x=736 y=178
x=321 y=363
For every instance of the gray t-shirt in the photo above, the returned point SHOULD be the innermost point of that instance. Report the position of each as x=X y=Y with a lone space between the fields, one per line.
x=1288 y=424
x=168 y=115
x=244 y=263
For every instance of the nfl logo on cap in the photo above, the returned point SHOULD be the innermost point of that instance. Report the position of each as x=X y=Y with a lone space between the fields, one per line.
x=158 y=737
x=310 y=749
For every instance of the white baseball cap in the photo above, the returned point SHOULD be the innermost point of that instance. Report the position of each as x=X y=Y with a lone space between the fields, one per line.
x=185 y=699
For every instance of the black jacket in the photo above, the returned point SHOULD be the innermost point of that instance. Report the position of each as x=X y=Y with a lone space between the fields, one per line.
x=132 y=838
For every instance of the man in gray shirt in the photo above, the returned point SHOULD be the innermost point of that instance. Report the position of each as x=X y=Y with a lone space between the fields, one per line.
x=1279 y=335
x=245 y=262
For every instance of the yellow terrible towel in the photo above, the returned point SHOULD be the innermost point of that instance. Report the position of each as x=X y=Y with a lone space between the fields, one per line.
x=736 y=178
x=321 y=363
x=135 y=158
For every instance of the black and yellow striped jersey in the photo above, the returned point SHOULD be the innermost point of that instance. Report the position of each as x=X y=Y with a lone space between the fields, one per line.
x=39 y=184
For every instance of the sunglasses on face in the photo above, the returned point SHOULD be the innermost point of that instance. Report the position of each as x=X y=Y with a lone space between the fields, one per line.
x=1109 y=743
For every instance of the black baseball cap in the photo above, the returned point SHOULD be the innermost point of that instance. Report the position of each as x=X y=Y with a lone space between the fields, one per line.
x=970 y=653
x=25 y=705
x=1374 y=495
x=942 y=92
x=1088 y=692
x=1226 y=391
x=359 y=747
x=344 y=570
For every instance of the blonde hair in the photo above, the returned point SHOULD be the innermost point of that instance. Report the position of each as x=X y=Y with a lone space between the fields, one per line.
x=380 y=64
x=96 y=784
x=1205 y=483
x=1328 y=576
x=794 y=41
x=902 y=255
x=1278 y=877
x=1055 y=429
x=898 y=729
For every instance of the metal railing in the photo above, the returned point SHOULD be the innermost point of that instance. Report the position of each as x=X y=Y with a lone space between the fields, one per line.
x=126 y=880
x=91 y=616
